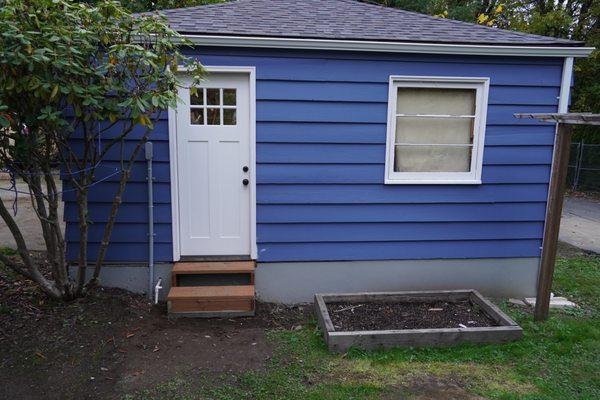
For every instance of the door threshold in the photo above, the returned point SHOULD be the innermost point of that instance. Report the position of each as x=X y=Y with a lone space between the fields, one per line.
x=216 y=258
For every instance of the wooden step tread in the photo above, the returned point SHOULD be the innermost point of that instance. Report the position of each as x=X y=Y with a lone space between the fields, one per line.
x=213 y=267
x=211 y=292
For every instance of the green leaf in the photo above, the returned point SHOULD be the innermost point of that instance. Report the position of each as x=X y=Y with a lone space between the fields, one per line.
x=54 y=91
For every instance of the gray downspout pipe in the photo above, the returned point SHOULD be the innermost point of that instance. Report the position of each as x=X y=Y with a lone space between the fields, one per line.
x=149 y=155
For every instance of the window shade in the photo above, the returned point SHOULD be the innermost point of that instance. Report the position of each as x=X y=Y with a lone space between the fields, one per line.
x=434 y=130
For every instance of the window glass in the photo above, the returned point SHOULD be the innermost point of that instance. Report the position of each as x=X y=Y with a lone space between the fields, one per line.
x=213 y=97
x=229 y=97
x=213 y=116
x=435 y=101
x=432 y=159
x=197 y=98
x=229 y=117
x=434 y=129
x=197 y=116
x=418 y=130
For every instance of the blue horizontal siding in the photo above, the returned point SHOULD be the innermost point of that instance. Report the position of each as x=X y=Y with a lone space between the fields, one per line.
x=336 y=232
x=161 y=150
x=333 y=213
x=135 y=192
x=362 y=92
x=123 y=232
x=315 y=132
x=326 y=213
x=272 y=252
x=395 y=232
x=399 y=194
x=321 y=128
x=344 y=70
x=119 y=252
x=361 y=174
x=160 y=170
x=344 y=194
x=128 y=213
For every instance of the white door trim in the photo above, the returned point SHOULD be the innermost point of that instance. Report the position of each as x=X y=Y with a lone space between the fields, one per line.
x=173 y=160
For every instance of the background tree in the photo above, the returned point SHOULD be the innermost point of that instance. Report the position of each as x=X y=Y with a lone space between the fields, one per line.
x=570 y=19
x=75 y=81
x=152 y=5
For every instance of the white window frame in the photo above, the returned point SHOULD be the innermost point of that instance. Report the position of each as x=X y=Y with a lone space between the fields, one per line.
x=481 y=87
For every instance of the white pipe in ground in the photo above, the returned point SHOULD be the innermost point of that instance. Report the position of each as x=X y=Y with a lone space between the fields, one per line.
x=157 y=289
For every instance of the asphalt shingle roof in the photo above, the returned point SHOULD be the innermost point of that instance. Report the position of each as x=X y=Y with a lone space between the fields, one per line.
x=342 y=20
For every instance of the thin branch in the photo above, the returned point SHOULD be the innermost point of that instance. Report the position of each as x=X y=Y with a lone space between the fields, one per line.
x=115 y=207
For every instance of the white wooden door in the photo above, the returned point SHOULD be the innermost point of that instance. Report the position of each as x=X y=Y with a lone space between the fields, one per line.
x=213 y=151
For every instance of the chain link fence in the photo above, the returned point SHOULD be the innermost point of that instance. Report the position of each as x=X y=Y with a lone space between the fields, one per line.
x=584 y=167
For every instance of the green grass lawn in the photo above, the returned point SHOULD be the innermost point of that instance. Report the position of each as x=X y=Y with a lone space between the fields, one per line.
x=558 y=359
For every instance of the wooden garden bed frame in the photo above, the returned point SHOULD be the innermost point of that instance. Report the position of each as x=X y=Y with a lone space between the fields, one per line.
x=341 y=341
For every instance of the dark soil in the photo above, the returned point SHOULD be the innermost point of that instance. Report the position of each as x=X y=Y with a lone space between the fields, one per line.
x=406 y=315
x=592 y=195
x=113 y=342
x=566 y=250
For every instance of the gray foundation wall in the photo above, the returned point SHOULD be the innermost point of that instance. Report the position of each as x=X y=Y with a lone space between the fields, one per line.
x=133 y=277
x=297 y=282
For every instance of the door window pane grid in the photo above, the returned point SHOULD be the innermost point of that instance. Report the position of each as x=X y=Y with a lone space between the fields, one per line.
x=213 y=106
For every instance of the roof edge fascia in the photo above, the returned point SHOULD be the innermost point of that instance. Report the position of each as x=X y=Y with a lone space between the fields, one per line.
x=390 y=47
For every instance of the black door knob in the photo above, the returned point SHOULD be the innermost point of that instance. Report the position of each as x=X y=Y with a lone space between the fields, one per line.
x=245 y=169
x=245 y=182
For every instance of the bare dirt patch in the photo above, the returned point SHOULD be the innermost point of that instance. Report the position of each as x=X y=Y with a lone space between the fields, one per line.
x=114 y=342
x=434 y=388
x=406 y=315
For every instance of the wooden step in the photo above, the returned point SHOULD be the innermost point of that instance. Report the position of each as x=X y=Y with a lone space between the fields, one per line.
x=211 y=292
x=211 y=301
x=214 y=267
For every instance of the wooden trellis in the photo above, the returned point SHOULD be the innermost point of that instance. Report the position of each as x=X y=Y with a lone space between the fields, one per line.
x=560 y=163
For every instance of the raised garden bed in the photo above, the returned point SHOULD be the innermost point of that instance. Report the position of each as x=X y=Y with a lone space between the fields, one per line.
x=411 y=319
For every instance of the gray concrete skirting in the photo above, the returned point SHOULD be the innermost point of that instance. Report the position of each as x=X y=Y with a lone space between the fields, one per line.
x=132 y=277
x=297 y=282
x=291 y=283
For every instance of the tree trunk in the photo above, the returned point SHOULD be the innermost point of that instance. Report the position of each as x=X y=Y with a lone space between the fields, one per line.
x=62 y=273
x=32 y=271
x=82 y=205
